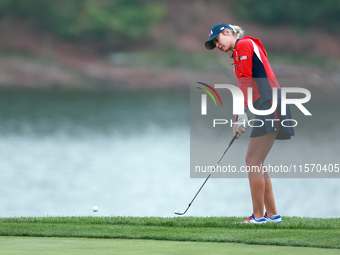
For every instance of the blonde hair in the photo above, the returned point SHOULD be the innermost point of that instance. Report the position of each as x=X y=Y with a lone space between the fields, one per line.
x=236 y=31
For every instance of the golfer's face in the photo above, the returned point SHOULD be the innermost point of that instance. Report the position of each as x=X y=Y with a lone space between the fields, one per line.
x=224 y=41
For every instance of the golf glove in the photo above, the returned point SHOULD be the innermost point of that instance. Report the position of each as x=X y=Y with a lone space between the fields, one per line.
x=242 y=120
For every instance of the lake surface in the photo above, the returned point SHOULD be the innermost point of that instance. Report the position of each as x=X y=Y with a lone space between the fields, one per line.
x=61 y=153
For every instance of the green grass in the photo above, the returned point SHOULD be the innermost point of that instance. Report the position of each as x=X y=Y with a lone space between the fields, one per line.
x=306 y=232
x=82 y=246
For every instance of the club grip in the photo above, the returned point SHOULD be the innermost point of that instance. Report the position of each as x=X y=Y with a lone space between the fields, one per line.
x=234 y=138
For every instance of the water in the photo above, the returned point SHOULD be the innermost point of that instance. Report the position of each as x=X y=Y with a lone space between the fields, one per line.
x=61 y=153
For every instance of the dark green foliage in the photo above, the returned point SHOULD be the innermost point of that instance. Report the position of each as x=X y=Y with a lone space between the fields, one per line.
x=88 y=20
x=322 y=14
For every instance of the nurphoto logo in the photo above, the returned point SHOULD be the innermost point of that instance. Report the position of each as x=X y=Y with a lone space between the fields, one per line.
x=238 y=103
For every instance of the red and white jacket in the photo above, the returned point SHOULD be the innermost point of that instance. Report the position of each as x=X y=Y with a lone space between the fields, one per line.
x=252 y=69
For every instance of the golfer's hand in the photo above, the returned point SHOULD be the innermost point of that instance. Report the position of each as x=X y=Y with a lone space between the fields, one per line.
x=240 y=124
x=239 y=130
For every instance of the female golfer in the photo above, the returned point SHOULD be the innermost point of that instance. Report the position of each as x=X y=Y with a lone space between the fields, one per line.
x=253 y=71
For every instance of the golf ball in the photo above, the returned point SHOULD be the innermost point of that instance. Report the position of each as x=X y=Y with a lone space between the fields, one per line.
x=95 y=208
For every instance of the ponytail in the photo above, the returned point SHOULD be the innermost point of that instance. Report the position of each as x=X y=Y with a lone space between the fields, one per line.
x=237 y=31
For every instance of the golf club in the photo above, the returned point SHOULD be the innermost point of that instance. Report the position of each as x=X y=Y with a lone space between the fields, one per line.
x=231 y=142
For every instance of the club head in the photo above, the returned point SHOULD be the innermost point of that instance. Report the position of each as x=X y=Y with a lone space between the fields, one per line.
x=177 y=212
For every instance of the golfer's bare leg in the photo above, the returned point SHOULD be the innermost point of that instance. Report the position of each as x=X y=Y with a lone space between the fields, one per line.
x=258 y=150
x=269 y=200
